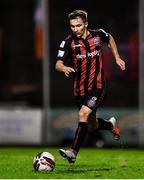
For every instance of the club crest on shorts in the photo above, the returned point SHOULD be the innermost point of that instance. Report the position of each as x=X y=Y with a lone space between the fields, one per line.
x=91 y=103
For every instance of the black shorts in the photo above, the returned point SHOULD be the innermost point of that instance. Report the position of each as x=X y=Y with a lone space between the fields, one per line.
x=92 y=99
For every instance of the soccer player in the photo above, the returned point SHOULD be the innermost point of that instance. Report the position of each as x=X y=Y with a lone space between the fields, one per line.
x=84 y=49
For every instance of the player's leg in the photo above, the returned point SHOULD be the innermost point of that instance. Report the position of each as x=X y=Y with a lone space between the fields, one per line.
x=93 y=101
x=92 y=122
x=96 y=124
x=94 y=137
x=80 y=135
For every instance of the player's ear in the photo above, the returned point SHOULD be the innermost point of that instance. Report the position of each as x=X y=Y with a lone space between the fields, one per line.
x=86 y=24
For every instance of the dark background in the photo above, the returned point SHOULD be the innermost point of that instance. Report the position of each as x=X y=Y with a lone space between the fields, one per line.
x=21 y=72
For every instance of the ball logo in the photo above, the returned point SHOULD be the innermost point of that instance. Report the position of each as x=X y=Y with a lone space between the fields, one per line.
x=92 y=101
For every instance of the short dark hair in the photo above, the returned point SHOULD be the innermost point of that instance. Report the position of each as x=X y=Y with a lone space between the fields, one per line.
x=78 y=13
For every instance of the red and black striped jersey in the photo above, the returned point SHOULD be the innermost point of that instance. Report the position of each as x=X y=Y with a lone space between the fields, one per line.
x=86 y=57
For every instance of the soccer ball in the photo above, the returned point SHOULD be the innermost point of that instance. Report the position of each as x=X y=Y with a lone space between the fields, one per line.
x=44 y=161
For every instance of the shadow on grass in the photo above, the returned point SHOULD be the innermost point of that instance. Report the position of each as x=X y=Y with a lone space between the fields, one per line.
x=75 y=169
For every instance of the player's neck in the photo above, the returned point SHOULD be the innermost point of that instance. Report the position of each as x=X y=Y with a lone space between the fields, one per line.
x=86 y=33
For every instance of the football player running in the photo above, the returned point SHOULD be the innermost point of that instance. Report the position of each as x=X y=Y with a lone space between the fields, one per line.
x=84 y=48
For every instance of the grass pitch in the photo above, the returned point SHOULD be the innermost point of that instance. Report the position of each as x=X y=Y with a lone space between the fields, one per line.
x=16 y=163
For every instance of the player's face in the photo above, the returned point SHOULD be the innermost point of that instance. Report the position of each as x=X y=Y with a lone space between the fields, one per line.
x=78 y=26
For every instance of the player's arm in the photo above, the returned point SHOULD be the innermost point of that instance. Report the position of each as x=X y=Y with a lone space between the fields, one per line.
x=115 y=53
x=62 y=68
x=62 y=56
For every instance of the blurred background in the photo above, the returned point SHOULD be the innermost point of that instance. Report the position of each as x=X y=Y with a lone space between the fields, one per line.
x=36 y=102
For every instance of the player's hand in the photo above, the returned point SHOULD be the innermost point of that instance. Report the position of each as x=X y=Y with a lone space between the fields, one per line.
x=120 y=63
x=68 y=70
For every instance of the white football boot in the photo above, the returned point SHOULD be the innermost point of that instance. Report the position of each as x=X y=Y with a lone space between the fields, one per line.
x=116 y=130
x=69 y=154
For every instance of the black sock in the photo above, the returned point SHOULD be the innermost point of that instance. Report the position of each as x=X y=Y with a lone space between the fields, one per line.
x=104 y=124
x=80 y=135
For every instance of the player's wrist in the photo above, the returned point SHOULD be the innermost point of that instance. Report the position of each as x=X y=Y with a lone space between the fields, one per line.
x=117 y=58
x=64 y=68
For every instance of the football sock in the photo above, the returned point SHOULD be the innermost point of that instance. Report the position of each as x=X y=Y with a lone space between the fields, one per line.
x=104 y=124
x=79 y=136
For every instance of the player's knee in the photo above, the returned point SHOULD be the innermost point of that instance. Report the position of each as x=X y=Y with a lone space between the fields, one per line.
x=83 y=116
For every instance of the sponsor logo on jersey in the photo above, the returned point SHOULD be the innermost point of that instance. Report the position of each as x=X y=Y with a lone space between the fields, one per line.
x=90 y=54
x=62 y=44
x=92 y=102
x=60 y=53
x=93 y=54
x=80 y=56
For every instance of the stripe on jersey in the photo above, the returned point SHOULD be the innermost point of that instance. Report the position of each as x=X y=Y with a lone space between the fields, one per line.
x=99 y=75
x=93 y=64
x=79 y=63
x=97 y=69
x=88 y=66
x=83 y=68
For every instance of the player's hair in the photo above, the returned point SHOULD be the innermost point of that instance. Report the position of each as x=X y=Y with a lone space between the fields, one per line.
x=78 y=13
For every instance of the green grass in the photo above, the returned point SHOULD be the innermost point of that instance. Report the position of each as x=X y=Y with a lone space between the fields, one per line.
x=16 y=163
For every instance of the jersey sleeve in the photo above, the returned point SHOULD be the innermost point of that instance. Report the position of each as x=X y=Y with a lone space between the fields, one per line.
x=63 y=50
x=104 y=35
